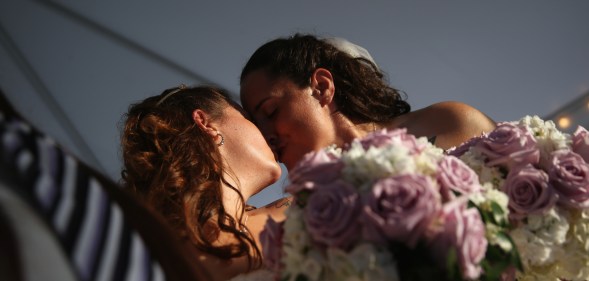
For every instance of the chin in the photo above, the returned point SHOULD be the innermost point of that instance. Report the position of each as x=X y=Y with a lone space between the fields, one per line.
x=290 y=164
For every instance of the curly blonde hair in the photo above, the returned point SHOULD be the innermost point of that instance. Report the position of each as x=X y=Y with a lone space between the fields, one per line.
x=177 y=168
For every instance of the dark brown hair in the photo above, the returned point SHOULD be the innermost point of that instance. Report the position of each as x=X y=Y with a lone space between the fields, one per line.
x=362 y=94
x=177 y=168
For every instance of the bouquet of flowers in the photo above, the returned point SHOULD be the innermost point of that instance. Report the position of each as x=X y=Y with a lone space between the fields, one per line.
x=545 y=175
x=389 y=207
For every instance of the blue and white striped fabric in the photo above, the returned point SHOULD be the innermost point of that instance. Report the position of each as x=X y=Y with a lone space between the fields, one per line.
x=92 y=230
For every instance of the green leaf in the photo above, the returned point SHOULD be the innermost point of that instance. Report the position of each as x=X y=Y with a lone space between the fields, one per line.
x=497 y=261
x=452 y=265
x=301 y=277
x=302 y=198
x=498 y=214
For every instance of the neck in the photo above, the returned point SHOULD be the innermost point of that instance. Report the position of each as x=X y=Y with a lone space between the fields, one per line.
x=349 y=130
x=231 y=200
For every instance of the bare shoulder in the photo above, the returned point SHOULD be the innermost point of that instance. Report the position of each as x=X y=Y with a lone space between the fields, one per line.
x=459 y=112
x=450 y=122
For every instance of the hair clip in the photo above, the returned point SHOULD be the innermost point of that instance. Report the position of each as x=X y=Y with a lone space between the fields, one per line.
x=345 y=46
x=180 y=88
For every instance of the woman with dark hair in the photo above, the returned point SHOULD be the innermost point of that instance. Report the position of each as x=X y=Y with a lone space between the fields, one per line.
x=305 y=93
x=192 y=155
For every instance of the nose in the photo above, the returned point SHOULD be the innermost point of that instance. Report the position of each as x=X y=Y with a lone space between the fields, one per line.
x=269 y=134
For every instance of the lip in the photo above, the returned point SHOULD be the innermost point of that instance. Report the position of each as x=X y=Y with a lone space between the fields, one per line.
x=276 y=155
x=278 y=152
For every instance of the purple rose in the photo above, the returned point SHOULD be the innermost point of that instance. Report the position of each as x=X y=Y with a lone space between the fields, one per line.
x=528 y=191
x=509 y=145
x=465 y=146
x=331 y=215
x=455 y=176
x=396 y=136
x=400 y=208
x=462 y=231
x=318 y=167
x=569 y=174
x=581 y=143
x=271 y=240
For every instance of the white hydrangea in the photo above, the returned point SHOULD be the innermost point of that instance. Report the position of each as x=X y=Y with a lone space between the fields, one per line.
x=491 y=233
x=295 y=235
x=498 y=197
x=362 y=167
x=549 y=138
x=487 y=196
x=431 y=151
x=574 y=263
x=295 y=241
x=313 y=266
x=547 y=132
x=532 y=249
x=334 y=150
x=580 y=231
x=426 y=163
x=539 y=241
x=551 y=226
x=571 y=266
x=310 y=265
x=293 y=265
x=487 y=175
x=363 y=263
x=339 y=267
x=484 y=201
x=531 y=275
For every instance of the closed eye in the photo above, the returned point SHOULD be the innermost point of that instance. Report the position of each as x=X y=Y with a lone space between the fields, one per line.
x=271 y=114
x=270 y=110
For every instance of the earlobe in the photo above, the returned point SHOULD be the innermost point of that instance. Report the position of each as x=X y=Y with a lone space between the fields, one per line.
x=203 y=121
x=323 y=85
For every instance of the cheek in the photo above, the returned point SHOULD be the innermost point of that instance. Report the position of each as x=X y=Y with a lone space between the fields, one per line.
x=255 y=138
x=300 y=117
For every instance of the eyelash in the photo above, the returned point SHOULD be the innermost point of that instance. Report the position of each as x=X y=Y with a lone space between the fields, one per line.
x=272 y=113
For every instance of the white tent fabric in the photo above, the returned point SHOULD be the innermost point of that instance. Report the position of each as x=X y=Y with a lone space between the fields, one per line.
x=73 y=67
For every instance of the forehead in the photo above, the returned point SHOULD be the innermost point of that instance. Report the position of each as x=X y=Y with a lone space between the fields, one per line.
x=256 y=87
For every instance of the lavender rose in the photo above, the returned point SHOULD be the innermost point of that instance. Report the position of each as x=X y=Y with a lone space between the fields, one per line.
x=581 y=143
x=398 y=136
x=463 y=231
x=331 y=215
x=315 y=168
x=271 y=240
x=509 y=145
x=569 y=174
x=465 y=146
x=528 y=191
x=455 y=176
x=400 y=208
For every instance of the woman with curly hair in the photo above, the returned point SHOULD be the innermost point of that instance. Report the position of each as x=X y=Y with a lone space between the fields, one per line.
x=306 y=92
x=192 y=155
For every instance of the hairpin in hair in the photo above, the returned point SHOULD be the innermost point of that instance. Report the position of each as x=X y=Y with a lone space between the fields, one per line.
x=180 y=88
x=350 y=48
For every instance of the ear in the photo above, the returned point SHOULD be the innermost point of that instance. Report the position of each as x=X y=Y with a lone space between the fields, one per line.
x=323 y=86
x=203 y=121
